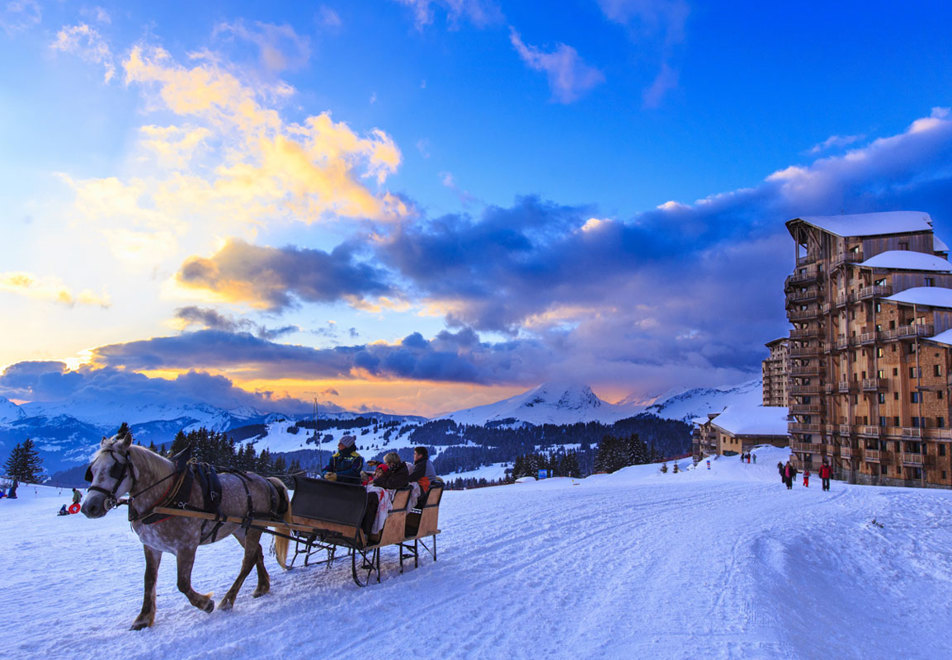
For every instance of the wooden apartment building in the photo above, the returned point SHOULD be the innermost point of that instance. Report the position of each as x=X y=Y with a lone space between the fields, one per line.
x=870 y=301
x=776 y=373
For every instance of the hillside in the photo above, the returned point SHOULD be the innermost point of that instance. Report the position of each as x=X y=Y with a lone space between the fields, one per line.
x=723 y=563
x=541 y=419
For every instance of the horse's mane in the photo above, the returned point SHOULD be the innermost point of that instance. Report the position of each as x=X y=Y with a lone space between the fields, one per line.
x=144 y=458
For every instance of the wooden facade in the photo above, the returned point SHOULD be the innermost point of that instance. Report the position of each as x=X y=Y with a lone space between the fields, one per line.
x=869 y=388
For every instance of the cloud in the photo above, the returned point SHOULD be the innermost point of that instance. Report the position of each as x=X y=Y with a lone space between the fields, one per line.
x=47 y=382
x=280 y=48
x=209 y=318
x=328 y=19
x=689 y=286
x=655 y=25
x=835 y=142
x=276 y=278
x=569 y=77
x=228 y=165
x=49 y=289
x=478 y=12
x=20 y=15
x=448 y=357
x=88 y=44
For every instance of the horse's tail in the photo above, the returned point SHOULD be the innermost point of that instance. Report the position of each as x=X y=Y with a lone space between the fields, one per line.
x=281 y=542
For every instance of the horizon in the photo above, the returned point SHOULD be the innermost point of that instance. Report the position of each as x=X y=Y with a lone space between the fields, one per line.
x=419 y=206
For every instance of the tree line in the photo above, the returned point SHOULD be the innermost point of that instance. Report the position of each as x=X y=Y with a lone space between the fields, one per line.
x=24 y=463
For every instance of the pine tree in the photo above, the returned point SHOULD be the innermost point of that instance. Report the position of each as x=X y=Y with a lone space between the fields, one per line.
x=25 y=463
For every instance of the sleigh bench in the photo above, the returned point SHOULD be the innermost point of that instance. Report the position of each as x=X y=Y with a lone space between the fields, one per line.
x=328 y=516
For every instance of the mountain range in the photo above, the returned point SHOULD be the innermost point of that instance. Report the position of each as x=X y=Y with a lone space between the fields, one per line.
x=67 y=435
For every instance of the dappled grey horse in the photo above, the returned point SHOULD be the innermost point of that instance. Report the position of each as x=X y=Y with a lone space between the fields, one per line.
x=120 y=467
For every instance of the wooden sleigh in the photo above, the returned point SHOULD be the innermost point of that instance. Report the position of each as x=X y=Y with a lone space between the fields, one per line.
x=327 y=517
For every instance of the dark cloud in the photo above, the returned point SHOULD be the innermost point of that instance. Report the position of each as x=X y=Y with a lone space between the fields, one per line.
x=449 y=357
x=109 y=386
x=213 y=320
x=277 y=278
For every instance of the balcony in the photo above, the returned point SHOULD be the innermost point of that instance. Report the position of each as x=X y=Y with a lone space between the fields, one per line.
x=804 y=333
x=844 y=387
x=937 y=434
x=846 y=452
x=797 y=427
x=842 y=343
x=806 y=447
x=845 y=430
x=871 y=455
x=805 y=409
x=846 y=258
x=907 y=331
x=877 y=291
x=873 y=384
x=804 y=314
x=912 y=460
x=866 y=338
x=810 y=293
x=812 y=388
x=869 y=431
x=805 y=275
x=911 y=432
x=802 y=370
x=804 y=351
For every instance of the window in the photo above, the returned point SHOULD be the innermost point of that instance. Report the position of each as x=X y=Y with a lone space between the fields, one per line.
x=882 y=397
x=895 y=369
x=879 y=352
x=895 y=396
x=940 y=423
x=882 y=422
x=896 y=423
x=879 y=308
x=881 y=282
x=937 y=370
x=939 y=395
x=885 y=469
x=930 y=281
x=916 y=423
x=881 y=373
x=941 y=450
x=914 y=397
x=912 y=372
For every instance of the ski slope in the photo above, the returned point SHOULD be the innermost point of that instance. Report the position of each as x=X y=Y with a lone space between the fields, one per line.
x=719 y=563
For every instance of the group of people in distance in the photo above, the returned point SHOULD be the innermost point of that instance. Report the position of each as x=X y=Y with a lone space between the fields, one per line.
x=347 y=466
x=788 y=474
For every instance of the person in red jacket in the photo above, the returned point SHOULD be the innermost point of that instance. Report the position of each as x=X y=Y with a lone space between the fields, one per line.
x=825 y=473
x=806 y=478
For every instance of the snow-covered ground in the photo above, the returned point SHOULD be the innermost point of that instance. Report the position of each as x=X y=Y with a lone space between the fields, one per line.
x=719 y=563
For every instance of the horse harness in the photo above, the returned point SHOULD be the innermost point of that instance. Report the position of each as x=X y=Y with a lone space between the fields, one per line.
x=178 y=494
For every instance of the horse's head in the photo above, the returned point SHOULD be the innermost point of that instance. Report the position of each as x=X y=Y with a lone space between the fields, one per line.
x=110 y=474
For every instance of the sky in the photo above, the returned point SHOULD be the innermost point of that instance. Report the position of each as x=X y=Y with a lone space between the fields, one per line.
x=418 y=206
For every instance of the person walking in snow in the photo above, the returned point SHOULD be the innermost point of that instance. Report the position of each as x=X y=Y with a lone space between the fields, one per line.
x=77 y=496
x=783 y=477
x=754 y=456
x=806 y=478
x=825 y=473
x=789 y=474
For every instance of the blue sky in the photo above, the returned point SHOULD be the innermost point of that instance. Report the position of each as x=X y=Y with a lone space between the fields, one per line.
x=418 y=205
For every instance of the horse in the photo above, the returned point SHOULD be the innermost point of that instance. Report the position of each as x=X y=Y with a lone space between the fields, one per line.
x=120 y=467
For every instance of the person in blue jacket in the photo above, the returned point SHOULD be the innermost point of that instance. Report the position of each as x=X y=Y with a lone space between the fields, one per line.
x=346 y=463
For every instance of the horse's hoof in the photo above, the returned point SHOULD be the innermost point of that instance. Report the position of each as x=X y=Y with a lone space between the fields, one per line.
x=209 y=607
x=139 y=625
x=259 y=592
x=226 y=605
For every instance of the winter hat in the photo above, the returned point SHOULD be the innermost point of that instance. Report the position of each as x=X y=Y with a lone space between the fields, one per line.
x=383 y=466
x=348 y=440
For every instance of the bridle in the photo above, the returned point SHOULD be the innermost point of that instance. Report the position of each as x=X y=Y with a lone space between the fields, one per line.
x=117 y=472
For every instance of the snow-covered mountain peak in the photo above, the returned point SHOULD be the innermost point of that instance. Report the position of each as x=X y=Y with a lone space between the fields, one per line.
x=9 y=411
x=549 y=403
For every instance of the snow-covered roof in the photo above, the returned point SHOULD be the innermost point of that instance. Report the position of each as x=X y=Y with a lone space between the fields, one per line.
x=753 y=420
x=907 y=260
x=871 y=224
x=943 y=338
x=939 y=245
x=931 y=296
